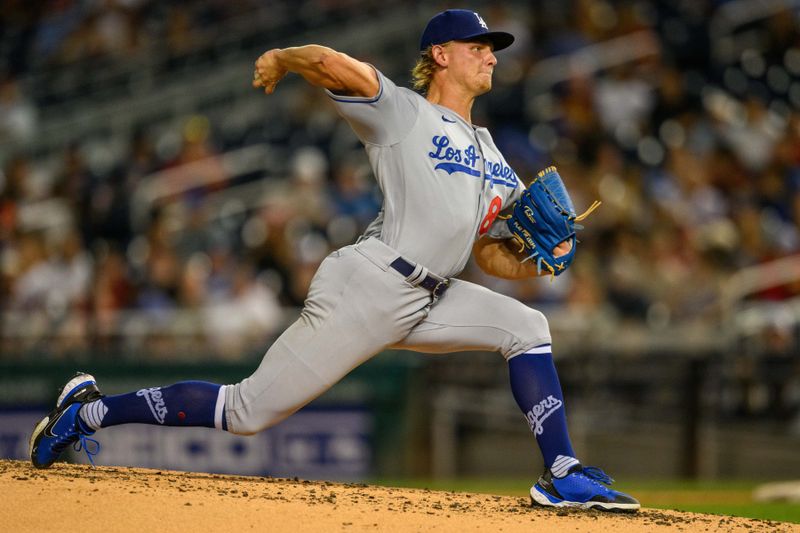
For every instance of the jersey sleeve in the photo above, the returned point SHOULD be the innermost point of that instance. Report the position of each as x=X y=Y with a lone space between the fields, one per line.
x=515 y=194
x=384 y=119
x=499 y=229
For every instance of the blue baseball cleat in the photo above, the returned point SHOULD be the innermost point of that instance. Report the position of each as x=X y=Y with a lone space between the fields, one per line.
x=583 y=487
x=61 y=427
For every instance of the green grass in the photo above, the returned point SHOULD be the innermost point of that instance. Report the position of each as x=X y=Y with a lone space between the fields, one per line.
x=782 y=512
x=715 y=497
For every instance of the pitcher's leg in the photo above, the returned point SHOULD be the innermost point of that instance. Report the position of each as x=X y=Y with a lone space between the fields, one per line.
x=187 y=403
x=354 y=309
x=471 y=317
x=339 y=329
x=286 y=379
x=81 y=409
x=537 y=390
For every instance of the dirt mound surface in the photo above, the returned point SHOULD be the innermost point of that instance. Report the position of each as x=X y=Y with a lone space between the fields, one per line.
x=134 y=499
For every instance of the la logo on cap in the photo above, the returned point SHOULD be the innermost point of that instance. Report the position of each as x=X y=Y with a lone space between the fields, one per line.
x=481 y=22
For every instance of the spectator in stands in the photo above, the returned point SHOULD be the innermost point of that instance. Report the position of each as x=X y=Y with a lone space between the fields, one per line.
x=18 y=116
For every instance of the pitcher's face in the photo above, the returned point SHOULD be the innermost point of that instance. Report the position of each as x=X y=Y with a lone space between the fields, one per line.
x=471 y=64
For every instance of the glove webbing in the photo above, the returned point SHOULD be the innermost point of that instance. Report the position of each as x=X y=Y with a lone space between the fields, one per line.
x=570 y=214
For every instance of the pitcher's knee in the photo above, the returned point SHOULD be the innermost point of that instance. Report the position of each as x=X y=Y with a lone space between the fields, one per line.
x=241 y=424
x=236 y=429
x=528 y=329
x=247 y=416
x=248 y=422
x=245 y=426
x=538 y=325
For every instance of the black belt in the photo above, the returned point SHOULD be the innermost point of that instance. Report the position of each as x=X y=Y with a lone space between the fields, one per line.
x=436 y=285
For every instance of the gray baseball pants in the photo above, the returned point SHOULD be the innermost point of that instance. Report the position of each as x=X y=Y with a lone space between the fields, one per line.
x=357 y=306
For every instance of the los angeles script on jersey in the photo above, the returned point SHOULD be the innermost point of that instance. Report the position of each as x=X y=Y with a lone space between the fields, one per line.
x=465 y=160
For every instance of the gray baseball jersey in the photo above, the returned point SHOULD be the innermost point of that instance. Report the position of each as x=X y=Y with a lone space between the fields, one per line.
x=444 y=182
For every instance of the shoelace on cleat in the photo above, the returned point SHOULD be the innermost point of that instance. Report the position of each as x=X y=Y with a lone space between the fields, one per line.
x=596 y=474
x=83 y=444
x=62 y=443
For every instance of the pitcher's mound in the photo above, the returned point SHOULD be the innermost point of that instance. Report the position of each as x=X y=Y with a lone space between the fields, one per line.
x=135 y=499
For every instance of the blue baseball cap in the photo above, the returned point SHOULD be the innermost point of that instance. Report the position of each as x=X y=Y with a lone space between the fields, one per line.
x=461 y=25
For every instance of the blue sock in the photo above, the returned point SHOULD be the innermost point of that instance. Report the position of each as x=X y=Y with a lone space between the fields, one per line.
x=535 y=386
x=188 y=403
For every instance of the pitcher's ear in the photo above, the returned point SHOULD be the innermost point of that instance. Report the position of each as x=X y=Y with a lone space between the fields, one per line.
x=439 y=56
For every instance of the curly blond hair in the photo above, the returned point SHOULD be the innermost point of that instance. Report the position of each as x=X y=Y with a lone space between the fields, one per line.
x=423 y=71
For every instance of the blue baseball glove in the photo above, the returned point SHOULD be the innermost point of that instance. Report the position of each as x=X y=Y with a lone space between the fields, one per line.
x=542 y=219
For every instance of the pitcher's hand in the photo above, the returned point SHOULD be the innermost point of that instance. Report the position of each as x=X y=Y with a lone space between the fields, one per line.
x=268 y=71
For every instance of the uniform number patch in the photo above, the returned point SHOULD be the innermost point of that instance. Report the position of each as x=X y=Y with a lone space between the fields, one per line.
x=494 y=210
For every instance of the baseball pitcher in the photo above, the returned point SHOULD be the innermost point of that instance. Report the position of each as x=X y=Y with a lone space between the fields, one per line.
x=444 y=183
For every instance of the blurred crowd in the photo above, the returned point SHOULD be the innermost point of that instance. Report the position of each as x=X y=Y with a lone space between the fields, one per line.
x=692 y=143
